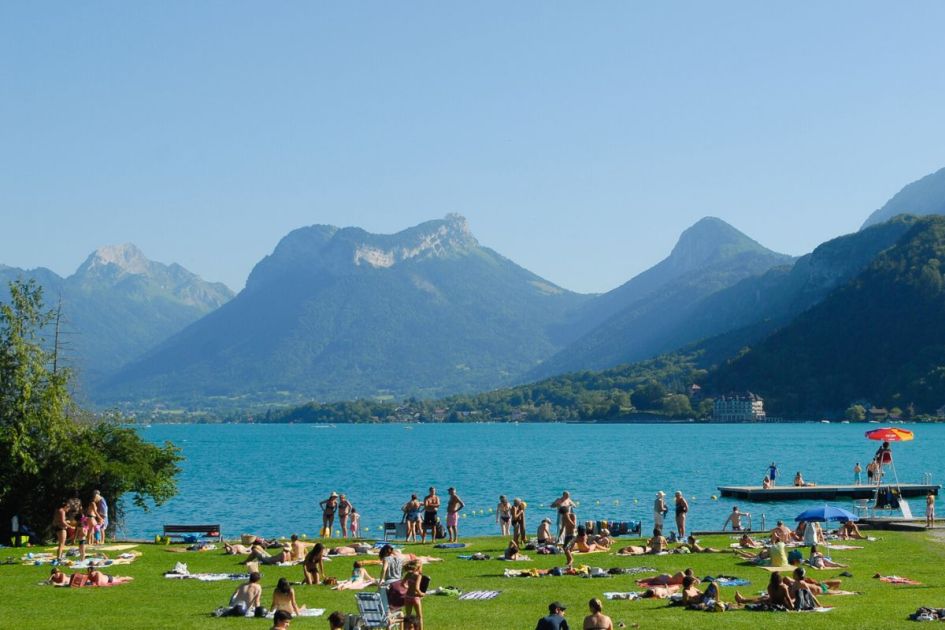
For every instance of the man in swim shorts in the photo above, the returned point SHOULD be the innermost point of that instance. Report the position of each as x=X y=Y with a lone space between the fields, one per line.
x=431 y=503
x=453 y=507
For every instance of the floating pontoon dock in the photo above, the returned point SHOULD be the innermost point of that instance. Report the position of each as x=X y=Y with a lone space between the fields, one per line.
x=825 y=492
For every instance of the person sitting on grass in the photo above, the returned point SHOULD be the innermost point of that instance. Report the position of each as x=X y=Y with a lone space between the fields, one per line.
x=512 y=551
x=281 y=620
x=747 y=542
x=603 y=539
x=849 y=530
x=655 y=545
x=782 y=533
x=283 y=598
x=337 y=620
x=245 y=598
x=693 y=598
x=776 y=597
x=554 y=620
x=820 y=561
x=580 y=544
x=800 y=590
x=544 y=536
x=597 y=620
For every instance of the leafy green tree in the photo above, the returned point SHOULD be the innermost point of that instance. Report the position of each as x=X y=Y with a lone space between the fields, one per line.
x=855 y=413
x=49 y=447
x=677 y=406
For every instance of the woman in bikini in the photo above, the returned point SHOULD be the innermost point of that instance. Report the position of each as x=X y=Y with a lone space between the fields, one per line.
x=413 y=513
x=61 y=526
x=90 y=523
x=565 y=507
x=283 y=598
x=776 y=597
x=344 y=511
x=313 y=567
x=411 y=580
x=682 y=508
x=597 y=620
x=329 y=507
x=503 y=515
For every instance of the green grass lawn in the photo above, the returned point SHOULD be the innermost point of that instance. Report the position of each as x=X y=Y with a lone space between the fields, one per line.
x=152 y=601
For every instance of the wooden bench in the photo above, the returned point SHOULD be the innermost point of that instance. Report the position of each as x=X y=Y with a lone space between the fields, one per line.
x=178 y=531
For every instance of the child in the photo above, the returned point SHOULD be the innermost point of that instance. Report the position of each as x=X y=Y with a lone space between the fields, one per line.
x=354 y=522
x=413 y=575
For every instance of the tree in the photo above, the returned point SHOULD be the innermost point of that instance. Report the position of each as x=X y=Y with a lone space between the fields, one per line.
x=677 y=406
x=855 y=413
x=49 y=447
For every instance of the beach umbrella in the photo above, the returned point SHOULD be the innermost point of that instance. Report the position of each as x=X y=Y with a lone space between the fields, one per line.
x=826 y=513
x=890 y=434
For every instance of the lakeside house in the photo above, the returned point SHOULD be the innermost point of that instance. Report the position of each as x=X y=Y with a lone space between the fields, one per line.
x=746 y=407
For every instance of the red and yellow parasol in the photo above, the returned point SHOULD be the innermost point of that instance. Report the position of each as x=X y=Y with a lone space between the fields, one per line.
x=890 y=434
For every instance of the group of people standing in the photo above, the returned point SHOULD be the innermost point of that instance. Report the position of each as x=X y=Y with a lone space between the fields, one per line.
x=348 y=516
x=680 y=510
x=423 y=516
x=85 y=524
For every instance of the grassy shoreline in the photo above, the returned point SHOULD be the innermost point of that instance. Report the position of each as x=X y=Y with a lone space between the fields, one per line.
x=152 y=601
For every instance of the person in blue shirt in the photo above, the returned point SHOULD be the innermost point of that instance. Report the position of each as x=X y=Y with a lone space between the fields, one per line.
x=555 y=619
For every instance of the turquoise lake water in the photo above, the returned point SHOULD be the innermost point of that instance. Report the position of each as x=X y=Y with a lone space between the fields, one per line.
x=268 y=479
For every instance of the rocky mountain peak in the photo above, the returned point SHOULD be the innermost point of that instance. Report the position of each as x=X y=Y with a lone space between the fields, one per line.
x=125 y=258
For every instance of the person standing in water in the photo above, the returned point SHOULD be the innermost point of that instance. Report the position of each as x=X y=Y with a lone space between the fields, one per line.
x=453 y=506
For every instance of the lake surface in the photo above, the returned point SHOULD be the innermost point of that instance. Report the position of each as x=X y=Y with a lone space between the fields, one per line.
x=268 y=479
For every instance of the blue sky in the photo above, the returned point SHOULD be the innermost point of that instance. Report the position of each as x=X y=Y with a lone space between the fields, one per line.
x=579 y=139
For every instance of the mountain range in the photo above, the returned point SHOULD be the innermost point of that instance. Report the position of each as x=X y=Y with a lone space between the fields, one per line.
x=118 y=304
x=340 y=313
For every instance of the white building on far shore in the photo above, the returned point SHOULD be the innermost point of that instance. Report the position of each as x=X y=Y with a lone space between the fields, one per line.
x=739 y=408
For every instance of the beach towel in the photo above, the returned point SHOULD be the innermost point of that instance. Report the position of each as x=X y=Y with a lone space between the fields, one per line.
x=662 y=553
x=630 y=570
x=727 y=580
x=303 y=612
x=181 y=572
x=521 y=558
x=381 y=543
x=449 y=546
x=119 y=547
x=630 y=596
x=896 y=579
x=842 y=547
x=480 y=595
x=475 y=556
x=90 y=561
x=353 y=585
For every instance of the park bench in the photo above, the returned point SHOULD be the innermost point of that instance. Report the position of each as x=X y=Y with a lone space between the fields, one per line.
x=178 y=531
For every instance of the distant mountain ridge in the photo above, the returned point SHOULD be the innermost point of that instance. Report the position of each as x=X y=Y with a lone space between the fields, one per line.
x=342 y=313
x=877 y=337
x=922 y=197
x=639 y=319
x=118 y=304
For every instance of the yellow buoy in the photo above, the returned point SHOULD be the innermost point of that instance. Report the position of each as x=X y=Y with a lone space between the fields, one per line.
x=715 y=498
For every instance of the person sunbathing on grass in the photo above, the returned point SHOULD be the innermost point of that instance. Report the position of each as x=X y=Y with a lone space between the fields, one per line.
x=245 y=598
x=782 y=533
x=236 y=549
x=259 y=553
x=603 y=539
x=800 y=582
x=57 y=577
x=512 y=551
x=849 y=530
x=694 y=547
x=676 y=579
x=656 y=544
x=97 y=578
x=820 y=561
x=747 y=542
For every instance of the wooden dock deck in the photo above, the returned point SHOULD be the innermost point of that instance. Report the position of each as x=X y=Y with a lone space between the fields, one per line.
x=824 y=492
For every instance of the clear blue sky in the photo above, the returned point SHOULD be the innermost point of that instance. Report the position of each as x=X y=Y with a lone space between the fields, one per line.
x=579 y=139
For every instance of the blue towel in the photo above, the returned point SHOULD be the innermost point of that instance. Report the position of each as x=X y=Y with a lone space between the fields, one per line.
x=450 y=545
x=727 y=580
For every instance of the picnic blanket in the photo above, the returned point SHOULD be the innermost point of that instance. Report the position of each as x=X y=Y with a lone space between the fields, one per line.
x=896 y=579
x=630 y=596
x=480 y=595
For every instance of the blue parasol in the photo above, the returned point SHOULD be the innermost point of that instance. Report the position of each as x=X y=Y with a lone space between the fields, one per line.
x=826 y=513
